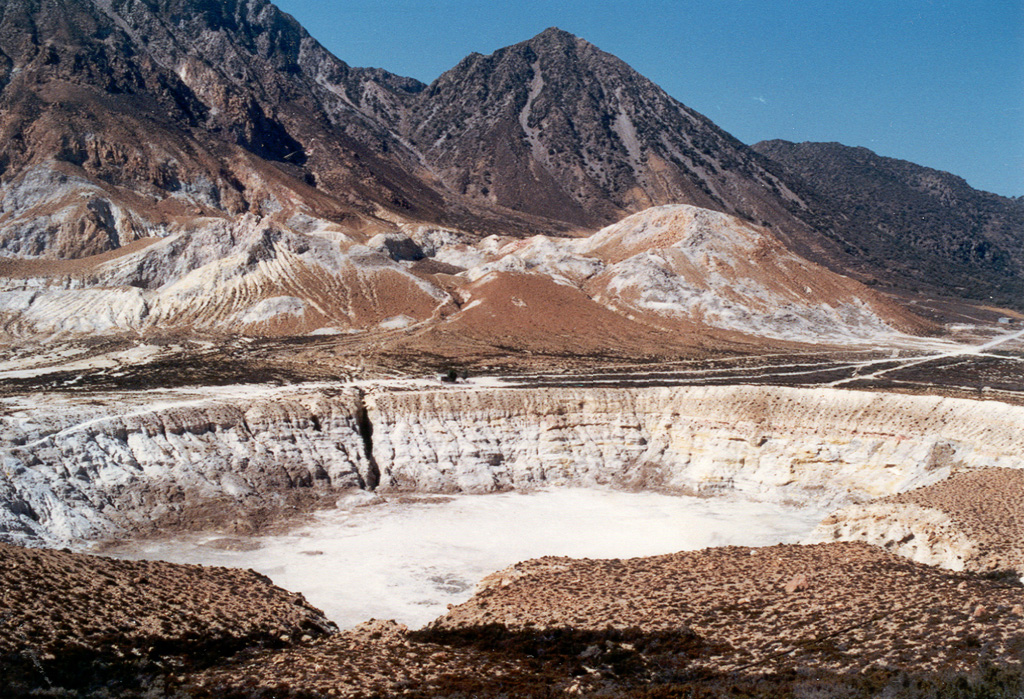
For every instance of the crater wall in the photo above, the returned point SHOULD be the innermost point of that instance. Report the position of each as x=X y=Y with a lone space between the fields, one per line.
x=85 y=470
x=75 y=469
x=774 y=442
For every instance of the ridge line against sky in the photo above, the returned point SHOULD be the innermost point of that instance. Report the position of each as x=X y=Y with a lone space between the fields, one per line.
x=938 y=83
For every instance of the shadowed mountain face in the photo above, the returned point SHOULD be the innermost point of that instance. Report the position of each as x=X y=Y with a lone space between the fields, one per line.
x=909 y=225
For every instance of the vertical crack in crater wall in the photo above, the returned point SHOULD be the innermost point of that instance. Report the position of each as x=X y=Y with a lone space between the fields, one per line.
x=74 y=471
x=365 y=428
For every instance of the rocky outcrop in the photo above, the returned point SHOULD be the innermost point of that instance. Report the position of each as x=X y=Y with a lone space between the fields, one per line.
x=659 y=281
x=921 y=534
x=259 y=276
x=677 y=268
x=970 y=521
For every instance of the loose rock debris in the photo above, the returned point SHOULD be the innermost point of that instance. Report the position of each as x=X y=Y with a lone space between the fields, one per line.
x=846 y=619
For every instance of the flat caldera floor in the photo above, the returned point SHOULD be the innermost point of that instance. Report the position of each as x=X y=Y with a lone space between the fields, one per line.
x=409 y=557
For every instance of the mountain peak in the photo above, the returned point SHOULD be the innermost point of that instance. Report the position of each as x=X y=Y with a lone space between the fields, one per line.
x=557 y=128
x=554 y=34
x=555 y=42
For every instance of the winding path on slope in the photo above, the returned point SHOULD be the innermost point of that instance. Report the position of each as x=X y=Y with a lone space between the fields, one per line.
x=958 y=351
x=980 y=369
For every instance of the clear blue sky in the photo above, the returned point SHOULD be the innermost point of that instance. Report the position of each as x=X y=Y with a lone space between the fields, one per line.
x=939 y=83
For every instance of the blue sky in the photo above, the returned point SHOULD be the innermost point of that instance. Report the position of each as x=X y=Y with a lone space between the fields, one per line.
x=939 y=83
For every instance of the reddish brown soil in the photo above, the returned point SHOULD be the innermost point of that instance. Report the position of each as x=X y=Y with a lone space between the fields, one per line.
x=79 y=622
x=829 y=620
x=840 y=607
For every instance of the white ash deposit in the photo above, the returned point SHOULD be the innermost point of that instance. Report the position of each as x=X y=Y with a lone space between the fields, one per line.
x=822 y=445
x=408 y=560
x=75 y=468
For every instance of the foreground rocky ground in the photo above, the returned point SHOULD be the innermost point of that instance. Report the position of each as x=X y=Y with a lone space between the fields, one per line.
x=840 y=619
x=75 y=624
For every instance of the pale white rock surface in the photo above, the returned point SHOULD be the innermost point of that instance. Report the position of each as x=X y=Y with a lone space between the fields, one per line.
x=922 y=534
x=83 y=469
x=75 y=468
x=828 y=445
x=272 y=307
x=680 y=263
x=248 y=274
x=667 y=267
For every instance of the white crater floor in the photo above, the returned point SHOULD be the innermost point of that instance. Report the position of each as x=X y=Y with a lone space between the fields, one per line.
x=407 y=560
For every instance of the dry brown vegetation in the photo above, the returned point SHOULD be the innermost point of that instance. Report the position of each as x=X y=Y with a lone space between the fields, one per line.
x=827 y=620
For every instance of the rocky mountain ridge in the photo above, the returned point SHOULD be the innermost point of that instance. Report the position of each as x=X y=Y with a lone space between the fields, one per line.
x=176 y=166
x=556 y=127
x=172 y=111
x=234 y=108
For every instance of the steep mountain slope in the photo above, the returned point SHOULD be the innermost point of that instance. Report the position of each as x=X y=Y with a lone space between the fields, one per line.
x=908 y=225
x=195 y=166
x=178 y=165
x=556 y=127
x=121 y=117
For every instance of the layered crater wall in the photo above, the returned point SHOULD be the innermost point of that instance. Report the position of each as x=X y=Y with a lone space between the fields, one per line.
x=971 y=521
x=85 y=469
x=76 y=468
x=825 y=444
